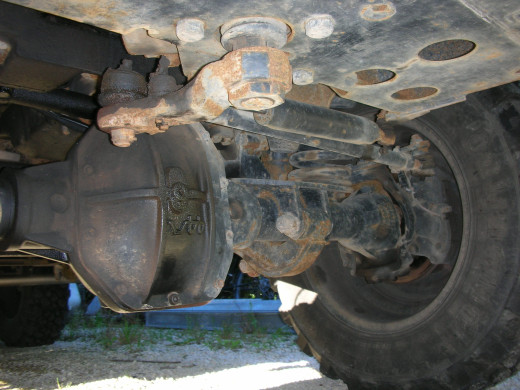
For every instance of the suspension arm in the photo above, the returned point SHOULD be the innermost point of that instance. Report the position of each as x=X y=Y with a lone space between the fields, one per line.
x=396 y=159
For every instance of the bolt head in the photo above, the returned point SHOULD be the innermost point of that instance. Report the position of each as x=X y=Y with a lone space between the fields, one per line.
x=302 y=77
x=319 y=26
x=256 y=96
x=289 y=224
x=122 y=138
x=265 y=77
x=257 y=103
x=190 y=30
x=174 y=299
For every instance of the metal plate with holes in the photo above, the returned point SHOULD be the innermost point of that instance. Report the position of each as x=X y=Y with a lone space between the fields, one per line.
x=379 y=53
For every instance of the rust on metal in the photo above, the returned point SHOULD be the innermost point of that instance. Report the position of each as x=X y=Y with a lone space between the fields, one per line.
x=257 y=88
x=374 y=76
x=315 y=94
x=217 y=86
x=278 y=166
x=414 y=93
x=297 y=255
x=376 y=12
x=415 y=273
x=386 y=137
x=448 y=50
x=256 y=147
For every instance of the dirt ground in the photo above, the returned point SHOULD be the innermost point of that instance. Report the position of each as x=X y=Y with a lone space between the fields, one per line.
x=77 y=365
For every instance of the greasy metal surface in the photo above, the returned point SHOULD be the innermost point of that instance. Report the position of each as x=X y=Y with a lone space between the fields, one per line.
x=297 y=221
x=270 y=250
x=246 y=216
x=277 y=164
x=306 y=119
x=364 y=37
x=396 y=159
x=122 y=85
x=255 y=31
x=367 y=222
x=425 y=230
x=244 y=78
x=138 y=224
x=60 y=100
x=180 y=232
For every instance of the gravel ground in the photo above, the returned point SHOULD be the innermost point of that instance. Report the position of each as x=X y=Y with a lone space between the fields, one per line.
x=155 y=359
x=88 y=363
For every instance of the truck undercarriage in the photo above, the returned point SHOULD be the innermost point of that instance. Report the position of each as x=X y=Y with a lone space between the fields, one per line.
x=361 y=155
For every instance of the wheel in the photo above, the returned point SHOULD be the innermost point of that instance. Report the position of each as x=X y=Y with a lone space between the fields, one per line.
x=448 y=326
x=32 y=315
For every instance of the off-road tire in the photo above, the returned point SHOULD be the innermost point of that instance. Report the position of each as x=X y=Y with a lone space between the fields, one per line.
x=32 y=315
x=469 y=336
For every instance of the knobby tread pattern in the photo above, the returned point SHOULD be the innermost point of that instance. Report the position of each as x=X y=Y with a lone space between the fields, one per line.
x=40 y=318
x=495 y=357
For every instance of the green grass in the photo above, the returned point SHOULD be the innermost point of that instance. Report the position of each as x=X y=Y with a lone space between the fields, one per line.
x=112 y=331
x=60 y=386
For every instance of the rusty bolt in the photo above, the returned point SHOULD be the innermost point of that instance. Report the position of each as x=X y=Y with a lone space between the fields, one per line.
x=265 y=77
x=319 y=26
x=245 y=268
x=190 y=30
x=302 y=77
x=256 y=96
x=174 y=298
x=289 y=224
x=122 y=137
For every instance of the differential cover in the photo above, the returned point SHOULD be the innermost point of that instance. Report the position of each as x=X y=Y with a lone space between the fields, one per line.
x=145 y=227
x=152 y=219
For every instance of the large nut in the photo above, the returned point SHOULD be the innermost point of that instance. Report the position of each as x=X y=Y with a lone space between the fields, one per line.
x=256 y=96
x=265 y=79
